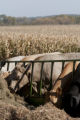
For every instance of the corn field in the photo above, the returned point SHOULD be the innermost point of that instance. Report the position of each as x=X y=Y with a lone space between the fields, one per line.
x=28 y=40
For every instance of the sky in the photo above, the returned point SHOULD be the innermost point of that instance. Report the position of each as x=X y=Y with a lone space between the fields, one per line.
x=33 y=8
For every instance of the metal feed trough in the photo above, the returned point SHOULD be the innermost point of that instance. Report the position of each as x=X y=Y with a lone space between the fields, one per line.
x=36 y=100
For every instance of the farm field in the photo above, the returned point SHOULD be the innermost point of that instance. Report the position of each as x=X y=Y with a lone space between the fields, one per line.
x=27 y=40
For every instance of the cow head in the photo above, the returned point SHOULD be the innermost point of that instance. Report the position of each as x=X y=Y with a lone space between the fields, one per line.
x=71 y=100
x=18 y=77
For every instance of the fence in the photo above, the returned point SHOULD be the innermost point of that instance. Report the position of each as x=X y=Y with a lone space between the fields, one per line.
x=42 y=64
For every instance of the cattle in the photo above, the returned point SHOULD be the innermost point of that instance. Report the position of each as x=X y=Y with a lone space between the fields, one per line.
x=13 y=74
x=4 y=65
x=45 y=73
x=18 y=71
x=71 y=99
x=63 y=78
x=20 y=76
x=62 y=84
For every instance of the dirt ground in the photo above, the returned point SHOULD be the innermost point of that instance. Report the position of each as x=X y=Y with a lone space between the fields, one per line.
x=13 y=107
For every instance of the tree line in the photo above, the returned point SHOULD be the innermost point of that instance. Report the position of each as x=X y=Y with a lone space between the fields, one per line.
x=49 y=20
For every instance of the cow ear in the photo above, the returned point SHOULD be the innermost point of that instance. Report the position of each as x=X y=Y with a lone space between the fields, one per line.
x=59 y=91
x=78 y=68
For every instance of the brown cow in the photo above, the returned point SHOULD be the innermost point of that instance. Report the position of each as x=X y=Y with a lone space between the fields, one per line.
x=62 y=84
